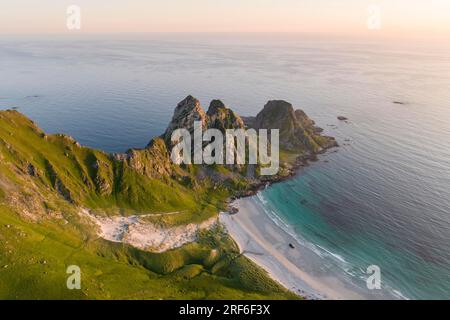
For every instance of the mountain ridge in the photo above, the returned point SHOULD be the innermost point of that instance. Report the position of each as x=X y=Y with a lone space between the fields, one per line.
x=46 y=179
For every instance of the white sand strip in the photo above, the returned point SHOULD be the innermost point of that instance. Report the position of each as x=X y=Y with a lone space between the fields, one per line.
x=144 y=235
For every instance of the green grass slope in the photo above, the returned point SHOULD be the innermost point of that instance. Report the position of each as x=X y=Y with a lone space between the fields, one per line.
x=34 y=258
x=45 y=179
x=89 y=177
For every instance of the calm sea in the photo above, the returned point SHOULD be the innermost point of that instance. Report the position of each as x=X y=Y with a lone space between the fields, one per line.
x=383 y=199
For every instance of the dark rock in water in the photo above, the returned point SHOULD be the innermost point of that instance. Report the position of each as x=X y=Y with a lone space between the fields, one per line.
x=341 y=118
x=291 y=246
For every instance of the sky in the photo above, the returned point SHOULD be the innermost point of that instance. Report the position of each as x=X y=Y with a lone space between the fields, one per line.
x=422 y=17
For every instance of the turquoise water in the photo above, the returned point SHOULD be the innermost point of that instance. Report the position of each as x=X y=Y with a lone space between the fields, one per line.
x=382 y=199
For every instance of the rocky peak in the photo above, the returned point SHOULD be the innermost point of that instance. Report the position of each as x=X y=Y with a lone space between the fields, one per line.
x=297 y=131
x=277 y=114
x=186 y=113
x=222 y=118
x=215 y=106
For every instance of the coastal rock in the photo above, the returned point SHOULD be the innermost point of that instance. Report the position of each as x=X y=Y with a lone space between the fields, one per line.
x=186 y=113
x=305 y=121
x=222 y=118
x=278 y=114
x=297 y=130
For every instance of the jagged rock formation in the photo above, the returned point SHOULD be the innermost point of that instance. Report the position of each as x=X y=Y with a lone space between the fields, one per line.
x=222 y=118
x=186 y=113
x=49 y=166
x=153 y=161
x=190 y=110
x=297 y=131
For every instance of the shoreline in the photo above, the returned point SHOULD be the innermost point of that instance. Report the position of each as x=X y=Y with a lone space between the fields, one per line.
x=261 y=240
x=301 y=161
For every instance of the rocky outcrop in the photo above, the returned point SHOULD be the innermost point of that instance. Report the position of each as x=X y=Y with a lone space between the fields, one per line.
x=222 y=118
x=186 y=113
x=190 y=110
x=304 y=120
x=103 y=177
x=153 y=161
x=298 y=133
x=297 y=130
x=278 y=114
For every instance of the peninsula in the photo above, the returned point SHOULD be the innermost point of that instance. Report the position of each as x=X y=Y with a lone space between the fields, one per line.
x=137 y=225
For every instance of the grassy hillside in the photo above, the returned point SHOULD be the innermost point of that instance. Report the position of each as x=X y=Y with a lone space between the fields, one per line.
x=34 y=258
x=45 y=179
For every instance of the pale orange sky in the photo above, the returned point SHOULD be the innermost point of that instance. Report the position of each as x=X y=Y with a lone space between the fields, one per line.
x=421 y=17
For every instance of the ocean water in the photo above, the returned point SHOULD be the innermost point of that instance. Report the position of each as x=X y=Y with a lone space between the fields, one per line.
x=382 y=199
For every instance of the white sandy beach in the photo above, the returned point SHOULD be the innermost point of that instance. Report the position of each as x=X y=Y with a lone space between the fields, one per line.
x=134 y=231
x=267 y=245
